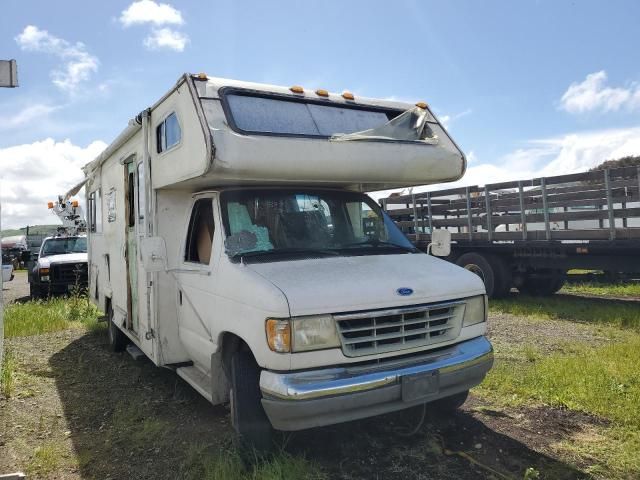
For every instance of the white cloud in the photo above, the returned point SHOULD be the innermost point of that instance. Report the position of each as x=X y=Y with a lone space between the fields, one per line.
x=166 y=38
x=37 y=111
x=33 y=174
x=78 y=64
x=593 y=94
x=572 y=153
x=576 y=152
x=148 y=11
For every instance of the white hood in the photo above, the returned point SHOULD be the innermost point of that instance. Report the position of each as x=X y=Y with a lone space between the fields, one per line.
x=341 y=284
x=63 y=258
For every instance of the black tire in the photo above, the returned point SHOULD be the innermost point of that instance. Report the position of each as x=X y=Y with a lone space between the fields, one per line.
x=34 y=292
x=452 y=403
x=253 y=429
x=493 y=271
x=117 y=339
x=543 y=283
x=503 y=276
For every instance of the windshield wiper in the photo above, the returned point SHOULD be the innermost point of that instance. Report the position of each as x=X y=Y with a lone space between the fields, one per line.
x=380 y=243
x=285 y=251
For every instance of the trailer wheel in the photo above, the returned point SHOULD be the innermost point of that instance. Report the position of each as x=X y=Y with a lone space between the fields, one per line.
x=493 y=271
x=541 y=284
x=117 y=340
x=253 y=429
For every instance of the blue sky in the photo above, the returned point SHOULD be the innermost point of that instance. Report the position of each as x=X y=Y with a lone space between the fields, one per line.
x=526 y=88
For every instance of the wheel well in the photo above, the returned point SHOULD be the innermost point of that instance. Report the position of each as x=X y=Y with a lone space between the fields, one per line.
x=231 y=343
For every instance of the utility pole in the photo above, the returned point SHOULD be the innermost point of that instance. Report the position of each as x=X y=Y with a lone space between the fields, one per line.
x=8 y=79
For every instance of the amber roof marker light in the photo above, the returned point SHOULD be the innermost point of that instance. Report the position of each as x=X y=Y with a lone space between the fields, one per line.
x=348 y=95
x=422 y=105
x=297 y=89
x=322 y=92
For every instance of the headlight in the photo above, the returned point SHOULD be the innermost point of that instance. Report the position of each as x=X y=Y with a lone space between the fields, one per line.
x=44 y=274
x=475 y=310
x=314 y=332
x=301 y=334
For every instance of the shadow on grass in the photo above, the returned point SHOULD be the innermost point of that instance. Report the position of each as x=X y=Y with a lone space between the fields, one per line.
x=131 y=419
x=614 y=312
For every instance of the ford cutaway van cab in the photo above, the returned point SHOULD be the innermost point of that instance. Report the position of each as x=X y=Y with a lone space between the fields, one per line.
x=231 y=240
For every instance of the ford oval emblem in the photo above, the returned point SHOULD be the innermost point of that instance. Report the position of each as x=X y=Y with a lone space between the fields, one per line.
x=405 y=292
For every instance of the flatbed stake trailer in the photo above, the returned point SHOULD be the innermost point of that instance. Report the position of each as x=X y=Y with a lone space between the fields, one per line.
x=230 y=240
x=527 y=234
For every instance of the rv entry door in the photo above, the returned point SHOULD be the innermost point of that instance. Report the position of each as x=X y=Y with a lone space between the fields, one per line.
x=132 y=248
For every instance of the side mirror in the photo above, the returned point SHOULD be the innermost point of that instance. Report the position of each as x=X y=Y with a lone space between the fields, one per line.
x=440 y=243
x=153 y=251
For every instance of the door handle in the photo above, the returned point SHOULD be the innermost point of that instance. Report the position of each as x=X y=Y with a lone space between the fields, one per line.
x=180 y=297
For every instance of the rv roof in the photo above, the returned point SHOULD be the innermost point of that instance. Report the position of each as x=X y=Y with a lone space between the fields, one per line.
x=212 y=86
x=256 y=133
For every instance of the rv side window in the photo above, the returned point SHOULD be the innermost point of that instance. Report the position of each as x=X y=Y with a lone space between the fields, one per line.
x=168 y=133
x=200 y=233
x=95 y=212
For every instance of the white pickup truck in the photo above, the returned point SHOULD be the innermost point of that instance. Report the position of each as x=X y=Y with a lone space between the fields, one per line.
x=231 y=240
x=61 y=266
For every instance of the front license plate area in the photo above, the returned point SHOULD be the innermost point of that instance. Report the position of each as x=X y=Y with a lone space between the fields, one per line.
x=420 y=385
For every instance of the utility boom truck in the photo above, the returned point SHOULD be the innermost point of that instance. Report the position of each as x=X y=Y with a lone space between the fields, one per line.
x=230 y=240
x=61 y=264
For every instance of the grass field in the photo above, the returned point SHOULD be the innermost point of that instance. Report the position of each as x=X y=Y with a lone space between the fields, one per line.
x=558 y=355
x=623 y=290
x=593 y=311
x=598 y=379
x=42 y=316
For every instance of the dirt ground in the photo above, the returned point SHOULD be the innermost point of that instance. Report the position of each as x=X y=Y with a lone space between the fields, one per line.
x=16 y=289
x=81 y=411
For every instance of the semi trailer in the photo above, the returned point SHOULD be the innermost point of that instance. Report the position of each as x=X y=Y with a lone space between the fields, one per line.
x=527 y=234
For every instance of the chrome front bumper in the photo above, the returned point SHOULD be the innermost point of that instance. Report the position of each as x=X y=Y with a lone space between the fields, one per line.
x=299 y=400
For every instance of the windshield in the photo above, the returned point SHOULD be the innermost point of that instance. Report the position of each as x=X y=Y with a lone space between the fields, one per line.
x=59 y=246
x=271 y=222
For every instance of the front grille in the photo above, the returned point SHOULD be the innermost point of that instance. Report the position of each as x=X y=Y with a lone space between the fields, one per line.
x=69 y=273
x=379 y=331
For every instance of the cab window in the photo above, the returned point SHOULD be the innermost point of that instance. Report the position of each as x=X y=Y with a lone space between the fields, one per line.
x=200 y=232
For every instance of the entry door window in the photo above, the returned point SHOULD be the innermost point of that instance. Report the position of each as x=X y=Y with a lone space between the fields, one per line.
x=200 y=233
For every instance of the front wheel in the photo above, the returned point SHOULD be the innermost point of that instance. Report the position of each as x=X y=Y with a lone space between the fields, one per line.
x=249 y=420
x=34 y=292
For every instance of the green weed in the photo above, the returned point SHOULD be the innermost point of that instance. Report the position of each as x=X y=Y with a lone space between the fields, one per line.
x=630 y=290
x=7 y=375
x=226 y=464
x=43 y=316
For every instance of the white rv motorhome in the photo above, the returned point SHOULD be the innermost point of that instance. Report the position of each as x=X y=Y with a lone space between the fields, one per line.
x=230 y=240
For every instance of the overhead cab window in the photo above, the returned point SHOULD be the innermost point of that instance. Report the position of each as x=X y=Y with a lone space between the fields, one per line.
x=200 y=233
x=168 y=133
x=258 y=114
